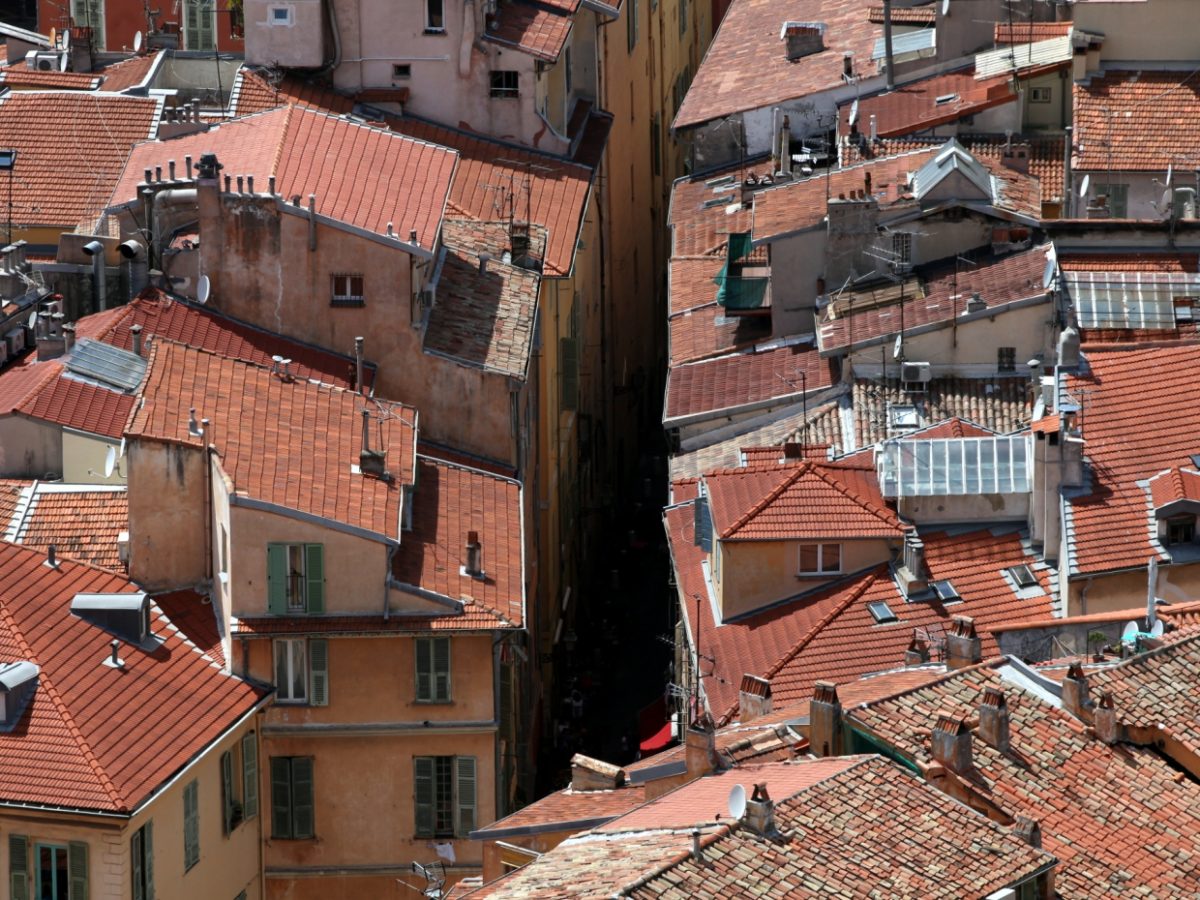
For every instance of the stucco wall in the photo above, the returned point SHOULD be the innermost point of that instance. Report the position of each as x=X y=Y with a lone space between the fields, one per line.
x=1141 y=31
x=29 y=448
x=168 y=528
x=84 y=457
x=976 y=508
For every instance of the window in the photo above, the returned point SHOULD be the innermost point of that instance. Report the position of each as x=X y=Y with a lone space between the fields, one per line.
x=191 y=824
x=656 y=145
x=881 y=612
x=61 y=871
x=820 y=559
x=445 y=795
x=295 y=578
x=683 y=17
x=1118 y=198
x=401 y=71
x=1181 y=529
x=631 y=23
x=347 y=290
x=292 y=797
x=199 y=19
x=1022 y=576
x=1006 y=359
x=141 y=852
x=567 y=72
x=302 y=671
x=90 y=14
x=281 y=15
x=237 y=19
x=435 y=17
x=433 y=670
x=231 y=804
x=1039 y=95
x=945 y=592
x=504 y=84
x=249 y=775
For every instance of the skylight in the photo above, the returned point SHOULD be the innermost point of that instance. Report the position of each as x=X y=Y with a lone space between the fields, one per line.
x=944 y=467
x=1130 y=299
x=1023 y=576
x=108 y=365
x=945 y=591
x=881 y=612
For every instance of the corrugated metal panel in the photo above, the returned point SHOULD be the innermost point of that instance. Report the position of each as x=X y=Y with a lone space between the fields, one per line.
x=1023 y=56
x=911 y=42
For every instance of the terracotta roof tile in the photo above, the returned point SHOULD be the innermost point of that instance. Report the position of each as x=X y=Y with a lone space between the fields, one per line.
x=72 y=146
x=1128 y=121
x=564 y=808
x=705 y=331
x=706 y=210
x=1106 y=261
x=919 y=105
x=745 y=379
x=746 y=65
x=20 y=77
x=10 y=495
x=998 y=404
x=79 y=744
x=540 y=32
x=291 y=443
x=80 y=522
x=76 y=404
x=1030 y=32
x=920 y=15
x=253 y=93
x=127 y=73
x=196 y=616
x=1175 y=485
x=365 y=176
x=451 y=501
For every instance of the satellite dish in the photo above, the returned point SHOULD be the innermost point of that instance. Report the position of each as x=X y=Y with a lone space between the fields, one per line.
x=1129 y=635
x=63 y=61
x=65 y=38
x=137 y=43
x=1157 y=629
x=945 y=7
x=737 y=802
x=853 y=113
x=1084 y=185
x=1170 y=172
x=898 y=347
x=32 y=323
x=203 y=290
x=1164 y=202
x=110 y=462
x=121 y=453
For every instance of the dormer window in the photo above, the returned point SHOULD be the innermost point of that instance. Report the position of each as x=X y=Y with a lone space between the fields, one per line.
x=126 y=616
x=17 y=683
x=1180 y=529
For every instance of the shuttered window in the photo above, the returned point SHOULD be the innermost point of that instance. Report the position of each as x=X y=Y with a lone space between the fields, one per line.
x=228 y=798
x=18 y=866
x=292 y=797
x=250 y=775
x=141 y=851
x=444 y=796
x=90 y=14
x=433 y=669
x=318 y=658
x=295 y=578
x=198 y=24
x=77 y=868
x=302 y=671
x=191 y=825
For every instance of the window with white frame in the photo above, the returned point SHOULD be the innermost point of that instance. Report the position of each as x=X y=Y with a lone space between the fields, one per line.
x=302 y=671
x=505 y=83
x=1040 y=95
x=820 y=559
x=346 y=290
x=435 y=16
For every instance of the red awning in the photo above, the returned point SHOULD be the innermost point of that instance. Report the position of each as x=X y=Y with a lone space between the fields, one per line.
x=656 y=741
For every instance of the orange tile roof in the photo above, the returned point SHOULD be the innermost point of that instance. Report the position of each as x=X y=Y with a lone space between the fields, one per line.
x=705 y=331
x=955 y=427
x=540 y=32
x=1000 y=404
x=76 y=404
x=565 y=809
x=739 y=380
x=483 y=319
x=1128 y=121
x=706 y=209
x=10 y=495
x=127 y=73
x=364 y=176
x=494 y=179
x=1175 y=485
x=746 y=65
x=71 y=147
x=1108 y=528
x=1030 y=32
x=253 y=93
x=20 y=77
x=196 y=616
x=916 y=106
x=84 y=742
x=450 y=501
x=920 y=15
x=1120 y=819
x=290 y=443
x=80 y=522
x=1106 y=261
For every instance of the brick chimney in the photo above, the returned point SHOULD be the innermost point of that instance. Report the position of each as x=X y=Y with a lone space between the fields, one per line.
x=951 y=743
x=963 y=647
x=1075 y=699
x=760 y=811
x=1104 y=718
x=700 y=747
x=1028 y=830
x=588 y=774
x=993 y=719
x=911 y=574
x=917 y=653
x=1016 y=157
x=802 y=39
x=754 y=698
x=825 y=720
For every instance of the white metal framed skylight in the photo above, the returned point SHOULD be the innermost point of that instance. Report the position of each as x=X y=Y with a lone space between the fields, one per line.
x=943 y=467
x=1130 y=299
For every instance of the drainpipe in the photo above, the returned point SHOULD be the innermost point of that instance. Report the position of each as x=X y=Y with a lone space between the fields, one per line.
x=95 y=250
x=312 y=222
x=1068 y=187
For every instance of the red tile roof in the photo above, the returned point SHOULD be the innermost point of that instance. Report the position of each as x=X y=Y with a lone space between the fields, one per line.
x=754 y=377
x=920 y=15
x=1175 y=485
x=81 y=522
x=564 y=809
x=127 y=73
x=917 y=105
x=364 y=176
x=746 y=65
x=196 y=616
x=450 y=501
x=253 y=93
x=71 y=146
x=10 y=495
x=76 y=404
x=999 y=280
x=1030 y=32
x=1127 y=121
x=548 y=190
x=705 y=331
x=20 y=77
x=291 y=443
x=540 y=32
x=1120 y=819
x=951 y=428
x=999 y=404
x=1109 y=527
x=706 y=210
x=85 y=741
x=1105 y=261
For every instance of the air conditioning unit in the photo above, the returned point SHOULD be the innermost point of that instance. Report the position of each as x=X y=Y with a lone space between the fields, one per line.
x=44 y=60
x=919 y=372
x=14 y=341
x=123 y=547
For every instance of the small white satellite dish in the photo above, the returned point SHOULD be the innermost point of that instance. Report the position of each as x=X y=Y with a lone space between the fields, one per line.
x=898 y=347
x=64 y=38
x=203 y=290
x=853 y=113
x=1129 y=635
x=1084 y=185
x=1164 y=202
x=32 y=322
x=1170 y=172
x=737 y=802
x=1156 y=630
x=945 y=7
x=137 y=43
x=110 y=462
x=121 y=452
x=63 y=62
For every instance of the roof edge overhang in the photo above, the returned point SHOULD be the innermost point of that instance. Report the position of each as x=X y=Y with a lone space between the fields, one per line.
x=240 y=500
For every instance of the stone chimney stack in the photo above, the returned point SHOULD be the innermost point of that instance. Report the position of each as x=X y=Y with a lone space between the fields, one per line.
x=951 y=743
x=760 y=811
x=825 y=720
x=1075 y=698
x=1028 y=830
x=917 y=653
x=963 y=647
x=1104 y=718
x=588 y=774
x=700 y=747
x=993 y=719
x=754 y=698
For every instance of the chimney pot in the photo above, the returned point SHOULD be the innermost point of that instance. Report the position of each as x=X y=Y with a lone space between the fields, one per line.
x=1028 y=830
x=158 y=173
x=358 y=365
x=51 y=557
x=825 y=720
x=68 y=333
x=412 y=237
x=760 y=811
x=250 y=183
x=700 y=747
x=993 y=719
x=228 y=183
x=951 y=743
x=963 y=647
x=474 y=564
x=271 y=185
x=697 y=850
x=171 y=169
x=240 y=184
x=136 y=331
x=917 y=653
x=148 y=176
x=187 y=166
x=1104 y=718
x=1075 y=699
x=754 y=698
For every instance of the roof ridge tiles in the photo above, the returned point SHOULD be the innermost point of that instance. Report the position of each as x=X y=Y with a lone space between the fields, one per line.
x=766 y=501
x=883 y=513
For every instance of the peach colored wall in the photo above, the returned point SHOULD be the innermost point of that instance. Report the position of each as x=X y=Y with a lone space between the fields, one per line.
x=29 y=448
x=168 y=531
x=1127 y=590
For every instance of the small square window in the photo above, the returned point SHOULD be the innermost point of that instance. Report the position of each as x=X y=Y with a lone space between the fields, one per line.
x=281 y=15
x=945 y=591
x=1006 y=359
x=1023 y=576
x=347 y=290
x=401 y=71
x=505 y=84
x=881 y=612
x=1039 y=95
x=1181 y=530
x=820 y=559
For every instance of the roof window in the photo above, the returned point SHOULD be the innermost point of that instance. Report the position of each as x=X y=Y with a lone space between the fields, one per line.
x=945 y=592
x=881 y=612
x=126 y=616
x=1022 y=576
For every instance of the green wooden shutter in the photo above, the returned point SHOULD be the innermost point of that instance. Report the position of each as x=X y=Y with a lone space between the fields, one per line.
x=227 y=791
x=441 y=669
x=199 y=25
x=18 y=866
x=148 y=857
x=77 y=868
x=250 y=776
x=135 y=854
x=191 y=825
x=281 y=797
x=314 y=574
x=277 y=579
x=318 y=660
x=464 y=772
x=424 y=655
x=423 y=791
x=302 y=797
